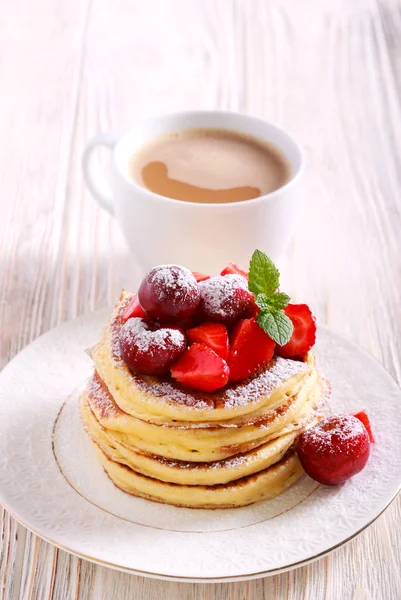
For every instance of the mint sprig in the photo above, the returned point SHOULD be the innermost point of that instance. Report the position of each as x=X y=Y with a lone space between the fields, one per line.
x=276 y=301
x=264 y=279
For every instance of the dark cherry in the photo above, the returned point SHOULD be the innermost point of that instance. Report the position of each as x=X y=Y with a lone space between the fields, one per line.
x=335 y=449
x=149 y=349
x=225 y=299
x=169 y=293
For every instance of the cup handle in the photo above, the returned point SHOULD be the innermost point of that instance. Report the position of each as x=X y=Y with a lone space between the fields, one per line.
x=94 y=177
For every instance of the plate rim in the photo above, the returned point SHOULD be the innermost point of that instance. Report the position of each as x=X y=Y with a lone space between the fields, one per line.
x=180 y=578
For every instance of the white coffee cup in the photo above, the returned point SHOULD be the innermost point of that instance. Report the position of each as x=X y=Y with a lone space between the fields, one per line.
x=204 y=237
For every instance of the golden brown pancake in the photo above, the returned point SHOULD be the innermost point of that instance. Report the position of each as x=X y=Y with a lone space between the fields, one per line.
x=184 y=472
x=250 y=489
x=206 y=443
x=160 y=441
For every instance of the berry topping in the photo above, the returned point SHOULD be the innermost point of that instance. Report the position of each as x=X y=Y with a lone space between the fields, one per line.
x=213 y=335
x=200 y=368
x=232 y=269
x=184 y=324
x=134 y=309
x=148 y=349
x=335 y=449
x=169 y=293
x=225 y=299
x=250 y=348
x=363 y=417
x=200 y=276
x=304 y=334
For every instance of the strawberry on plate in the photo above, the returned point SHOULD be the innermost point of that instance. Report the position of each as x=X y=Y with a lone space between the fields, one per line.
x=250 y=348
x=200 y=276
x=214 y=335
x=200 y=368
x=233 y=269
x=362 y=415
x=304 y=334
x=134 y=309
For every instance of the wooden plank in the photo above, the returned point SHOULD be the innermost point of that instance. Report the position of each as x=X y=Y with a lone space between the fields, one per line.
x=8 y=549
x=41 y=47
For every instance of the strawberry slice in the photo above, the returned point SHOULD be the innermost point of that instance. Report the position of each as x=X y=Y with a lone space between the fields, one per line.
x=233 y=269
x=214 y=335
x=134 y=309
x=200 y=368
x=250 y=348
x=200 y=276
x=304 y=334
x=362 y=415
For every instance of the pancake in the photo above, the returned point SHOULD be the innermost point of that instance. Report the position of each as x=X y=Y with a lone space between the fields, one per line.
x=186 y=473
x=202 y=444
x=159 y=400
x=250 y=489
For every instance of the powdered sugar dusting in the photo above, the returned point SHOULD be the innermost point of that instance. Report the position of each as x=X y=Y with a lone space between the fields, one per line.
x=261 y=384
x=100 y=397
x=138 y=332
x=217 y=291
x=172 y=279
x=339 y=433
x=170 y=391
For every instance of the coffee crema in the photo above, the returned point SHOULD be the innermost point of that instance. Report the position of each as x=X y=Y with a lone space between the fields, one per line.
x=209 y=166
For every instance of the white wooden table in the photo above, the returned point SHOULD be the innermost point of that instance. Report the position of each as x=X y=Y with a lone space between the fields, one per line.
x=330 y=72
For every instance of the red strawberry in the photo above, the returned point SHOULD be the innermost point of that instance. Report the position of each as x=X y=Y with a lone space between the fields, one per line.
x=214 y=335
x=200 y=276
x=200 y=368
x=362 y=415
x=304 y=334
x=232 y=269
x=134 y=309
x=250 y=348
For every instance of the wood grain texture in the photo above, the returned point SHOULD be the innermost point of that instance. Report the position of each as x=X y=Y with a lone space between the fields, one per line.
x=330 y=72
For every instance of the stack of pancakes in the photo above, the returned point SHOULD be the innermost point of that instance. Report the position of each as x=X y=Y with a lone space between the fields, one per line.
x=229 y=448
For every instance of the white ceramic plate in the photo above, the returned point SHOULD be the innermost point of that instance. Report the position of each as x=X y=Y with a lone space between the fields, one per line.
x=51 y=481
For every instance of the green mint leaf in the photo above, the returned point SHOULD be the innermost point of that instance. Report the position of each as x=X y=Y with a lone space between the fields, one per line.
x=277 y=325
x=278 y=301
x=262 y=301
x=264 y=277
